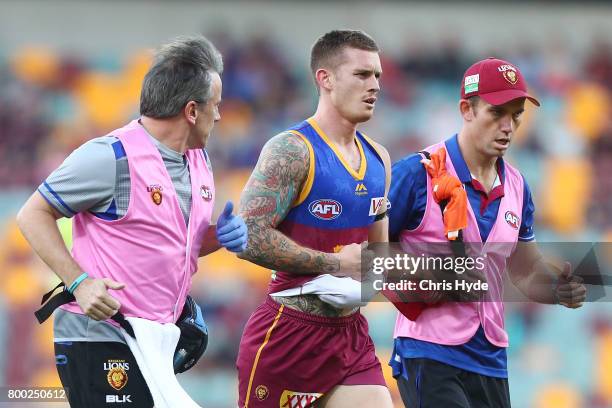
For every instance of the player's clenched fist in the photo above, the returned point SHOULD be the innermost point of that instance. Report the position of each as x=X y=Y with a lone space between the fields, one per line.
x=350 y=257
x=93 y=298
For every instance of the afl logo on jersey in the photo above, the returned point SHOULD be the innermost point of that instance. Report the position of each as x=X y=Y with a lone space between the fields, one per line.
x=325 y=209
x=512 y=219
x=206 y=193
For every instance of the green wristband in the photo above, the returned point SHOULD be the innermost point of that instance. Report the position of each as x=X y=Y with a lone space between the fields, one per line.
x=77 y=282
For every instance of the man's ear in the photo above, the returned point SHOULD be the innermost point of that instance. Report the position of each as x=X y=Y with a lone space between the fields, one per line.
x=466 y=110
x=191 y=112
x=324 y=79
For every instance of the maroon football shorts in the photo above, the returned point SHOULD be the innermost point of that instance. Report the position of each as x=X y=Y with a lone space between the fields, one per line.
x=289 y=358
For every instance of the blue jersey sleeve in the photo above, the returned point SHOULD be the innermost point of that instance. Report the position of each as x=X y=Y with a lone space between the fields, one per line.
x=407 y=195
x=526 y=232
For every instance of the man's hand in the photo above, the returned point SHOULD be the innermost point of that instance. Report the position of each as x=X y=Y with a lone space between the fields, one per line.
x=350 y=260
x=95 y=301
x=231 y=230
x=570 y=292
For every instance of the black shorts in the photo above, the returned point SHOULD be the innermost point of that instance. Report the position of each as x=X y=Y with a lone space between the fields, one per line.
x=101 y=374
x=431 y=384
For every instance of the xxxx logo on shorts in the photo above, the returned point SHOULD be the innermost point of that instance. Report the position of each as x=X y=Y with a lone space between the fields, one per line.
x=156 y=193
x=117 y=373
x=294 y=399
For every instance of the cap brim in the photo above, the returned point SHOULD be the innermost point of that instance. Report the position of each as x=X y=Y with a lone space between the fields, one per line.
x=505 y=96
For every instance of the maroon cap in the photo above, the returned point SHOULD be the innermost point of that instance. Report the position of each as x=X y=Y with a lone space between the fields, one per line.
x=496 y=81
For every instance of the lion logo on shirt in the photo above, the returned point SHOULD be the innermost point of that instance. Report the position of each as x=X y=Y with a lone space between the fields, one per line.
x=156 y=193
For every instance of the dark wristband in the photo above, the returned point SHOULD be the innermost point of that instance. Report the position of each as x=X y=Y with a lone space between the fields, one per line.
x=380 y=216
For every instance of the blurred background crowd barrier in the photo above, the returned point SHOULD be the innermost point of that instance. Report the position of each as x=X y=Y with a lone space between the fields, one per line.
x=71 y=71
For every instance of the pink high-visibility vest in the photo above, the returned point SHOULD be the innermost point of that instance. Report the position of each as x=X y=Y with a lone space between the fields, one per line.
x=455 y=323
x=150 y=249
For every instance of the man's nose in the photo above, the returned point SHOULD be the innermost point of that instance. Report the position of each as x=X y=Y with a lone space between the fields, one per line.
x=506 y=124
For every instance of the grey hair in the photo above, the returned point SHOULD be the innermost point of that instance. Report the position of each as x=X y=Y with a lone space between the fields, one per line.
x=181 y=72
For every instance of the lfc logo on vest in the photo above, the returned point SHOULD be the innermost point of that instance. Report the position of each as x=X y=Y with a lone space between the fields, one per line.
x=117 y=373
x=206 y=193
x=156 y=193
x=512 y=219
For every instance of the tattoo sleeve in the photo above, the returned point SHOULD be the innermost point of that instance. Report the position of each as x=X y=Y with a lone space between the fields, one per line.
x=268 y=196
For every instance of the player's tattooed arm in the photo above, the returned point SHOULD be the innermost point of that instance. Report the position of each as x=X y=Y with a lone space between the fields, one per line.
x=275 y=183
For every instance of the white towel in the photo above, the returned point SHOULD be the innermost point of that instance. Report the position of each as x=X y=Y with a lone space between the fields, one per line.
x=339 y=292
x=154 y=349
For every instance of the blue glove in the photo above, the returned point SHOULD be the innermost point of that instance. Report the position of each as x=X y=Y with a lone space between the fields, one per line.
x=231 y=230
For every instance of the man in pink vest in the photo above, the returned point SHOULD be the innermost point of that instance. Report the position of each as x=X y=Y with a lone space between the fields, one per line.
x=142 y=199
x=454 y=353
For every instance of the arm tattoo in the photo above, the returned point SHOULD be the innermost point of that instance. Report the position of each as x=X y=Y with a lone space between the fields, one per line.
x=267 y=198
